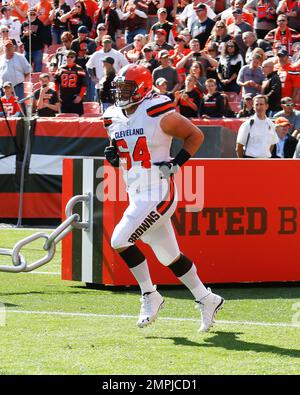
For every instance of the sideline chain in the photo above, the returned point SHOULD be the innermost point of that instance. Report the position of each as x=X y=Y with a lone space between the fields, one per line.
x=71 y=222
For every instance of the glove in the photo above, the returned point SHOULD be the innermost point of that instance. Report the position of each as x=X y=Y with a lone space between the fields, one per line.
x=167 y=168
x=111 y=154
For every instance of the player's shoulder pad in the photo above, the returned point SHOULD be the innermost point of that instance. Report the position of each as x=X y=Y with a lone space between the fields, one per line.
x=108 y=116
x=158 y=105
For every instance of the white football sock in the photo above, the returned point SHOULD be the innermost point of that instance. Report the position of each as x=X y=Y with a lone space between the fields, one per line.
x=142 y=276
x=194 y=284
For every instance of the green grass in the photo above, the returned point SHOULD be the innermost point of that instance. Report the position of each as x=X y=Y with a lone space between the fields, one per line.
x=68 y=344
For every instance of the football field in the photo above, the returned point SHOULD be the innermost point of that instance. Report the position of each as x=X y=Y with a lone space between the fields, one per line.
x=49 y=326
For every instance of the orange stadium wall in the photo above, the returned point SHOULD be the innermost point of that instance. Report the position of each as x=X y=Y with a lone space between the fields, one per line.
x=247 y=231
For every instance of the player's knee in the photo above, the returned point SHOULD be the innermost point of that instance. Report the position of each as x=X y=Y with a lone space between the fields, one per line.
x=132 y=256
x=118 y=241
x=166 y=257
x=181 y=266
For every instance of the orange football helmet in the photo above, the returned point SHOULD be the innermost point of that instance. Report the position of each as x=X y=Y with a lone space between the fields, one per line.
x=131 y=85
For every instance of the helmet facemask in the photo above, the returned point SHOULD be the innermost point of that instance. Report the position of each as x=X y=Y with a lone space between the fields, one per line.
x=125 y=93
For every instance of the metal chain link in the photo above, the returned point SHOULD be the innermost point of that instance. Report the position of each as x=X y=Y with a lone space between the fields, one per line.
x=72 y=221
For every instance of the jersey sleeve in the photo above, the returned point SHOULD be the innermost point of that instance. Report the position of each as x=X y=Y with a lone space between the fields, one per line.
x=159 y=105
x=108 y=117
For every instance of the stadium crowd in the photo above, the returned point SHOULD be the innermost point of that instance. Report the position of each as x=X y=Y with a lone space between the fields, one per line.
x=211 y=58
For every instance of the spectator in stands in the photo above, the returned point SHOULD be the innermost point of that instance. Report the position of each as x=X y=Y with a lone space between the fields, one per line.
x=166 y=71
x=15 y=68
x=188 y=99
x=43 y=9
x=94 y=65
x=271 y=87
x=105 y=84
x=247 y=110
x=247 y=16
x=289 y=112
x=9 y=103
x=228 y=112
x=265 y=15
x=237 y=28
x=295 y=59
x=213 y=54
x=167 y=26
x=171 y=6
x=289 y=75
x=101 y=31
x=148 y=59
x=76 y=18
x=179 y=52
x=218 y=35
x=212 y=104
x=19 y=9
x=260 y=52
x=189 y=15
x=135 y=53
x=160 y=41
x=12 y=23
x=59 y=58
x=227 y=12
x=46 y=103
x=70 y=84
x=256 y=137
x=230 y=63
x=283 y=34
x=196 y=55
x=291 y=9
x=161 y=87
x=153 y=7
x=4 y=36
x=109 y=17
x=91 y=7
x=83 y=45
x=251 y=76
x=286 y=146
x=134 y=18
x=57 y=26
x=202 y=27
x=197 y=71
x=32 y=31
x=251 y=42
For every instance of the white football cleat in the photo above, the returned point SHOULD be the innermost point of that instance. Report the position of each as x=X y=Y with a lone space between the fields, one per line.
x=151 y=304
x=209 y=306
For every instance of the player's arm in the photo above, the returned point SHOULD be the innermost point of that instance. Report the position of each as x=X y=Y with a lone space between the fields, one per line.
x=175 y=125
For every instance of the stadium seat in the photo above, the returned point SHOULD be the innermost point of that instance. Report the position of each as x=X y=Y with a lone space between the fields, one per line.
x=91 y=108
x=235 y=106
x=232 y=96
x=67 y=115
x=91 y=115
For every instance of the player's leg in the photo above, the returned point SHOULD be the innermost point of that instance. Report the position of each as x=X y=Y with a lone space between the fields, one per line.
x=164 y=244
x=123 y=242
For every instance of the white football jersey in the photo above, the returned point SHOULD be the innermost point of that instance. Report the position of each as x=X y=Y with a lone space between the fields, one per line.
x=140 y=139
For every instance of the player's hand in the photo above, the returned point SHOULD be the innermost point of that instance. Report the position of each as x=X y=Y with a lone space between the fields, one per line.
x=111 y=154
x=167 y=168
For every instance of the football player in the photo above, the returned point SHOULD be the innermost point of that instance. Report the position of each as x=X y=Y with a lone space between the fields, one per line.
x=141 y=126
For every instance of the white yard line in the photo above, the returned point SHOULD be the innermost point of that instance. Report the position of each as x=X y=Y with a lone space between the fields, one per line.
x=224 y=322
